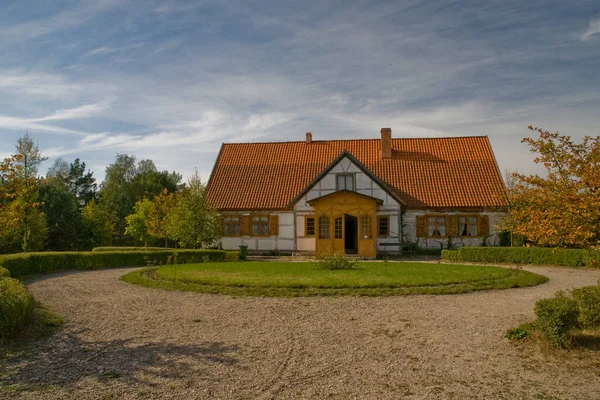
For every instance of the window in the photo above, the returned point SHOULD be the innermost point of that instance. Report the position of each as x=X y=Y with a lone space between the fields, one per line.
x=309 y=226
x=345 y=181
x=467 y=226
x=436 y=226
x=260 y=225
x=384 y=226
x=366 y=227
x=323 y=227
x=337 y=228
x=231 y=225
x=462 y=226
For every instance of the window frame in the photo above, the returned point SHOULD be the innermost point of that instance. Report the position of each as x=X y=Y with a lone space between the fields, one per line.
x=387 y=219
x=437 y=216
x=231 y=224
x=366 y=227
x=468 y=225
x=314 y=227
x=346 y=176
x=260 y=222
x=324 y=228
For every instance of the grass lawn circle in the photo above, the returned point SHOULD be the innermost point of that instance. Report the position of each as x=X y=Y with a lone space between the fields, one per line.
x=290 y=279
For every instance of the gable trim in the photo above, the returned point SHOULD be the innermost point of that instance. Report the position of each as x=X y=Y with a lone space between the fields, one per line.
x=360 y=165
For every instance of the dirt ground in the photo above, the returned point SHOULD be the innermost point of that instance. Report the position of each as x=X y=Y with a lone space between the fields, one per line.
x=122 y=341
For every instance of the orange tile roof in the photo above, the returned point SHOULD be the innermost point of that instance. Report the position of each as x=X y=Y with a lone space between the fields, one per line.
x=456 y=172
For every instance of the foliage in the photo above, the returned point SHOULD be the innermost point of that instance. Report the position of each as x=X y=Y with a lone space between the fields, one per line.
x=588 y=301
x=4 y=273
x=126 y=248
x=306 y=279
x=521 y=332
x=335 y=261
x=16 y=306
x=557 y=317
x=158 y=214
x=22 y=224
x=563 y=208
x=63 y=216
x=126 y=183
x=137 y=223
x=524 y=255
x=193 y=222
x=33 y=263
x=79 y=183
x=97 y=226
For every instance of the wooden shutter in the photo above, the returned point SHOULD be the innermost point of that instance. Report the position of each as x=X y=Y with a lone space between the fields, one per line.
x=421 y=226
x=274 y=225
x=245 y=225
x=452 y=226
x=220 y=222
x=484 y=226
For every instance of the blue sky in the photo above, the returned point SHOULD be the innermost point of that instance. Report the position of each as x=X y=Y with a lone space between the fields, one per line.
x=172 y=80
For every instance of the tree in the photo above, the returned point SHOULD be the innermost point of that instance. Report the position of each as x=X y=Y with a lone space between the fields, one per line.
x=159 y=213
x=126 y=183
x=31 y=157
x=20 y=214
x=137 y=223
x=563 y=208
x=193 y=222
x=62 y=213
x=97 y=227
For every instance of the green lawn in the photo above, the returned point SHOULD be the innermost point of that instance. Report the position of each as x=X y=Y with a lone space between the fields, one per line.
x=306 y=279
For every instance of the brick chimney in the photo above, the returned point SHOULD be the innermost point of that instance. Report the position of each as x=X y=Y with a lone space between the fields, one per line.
x=386 y=143
x=308 y=138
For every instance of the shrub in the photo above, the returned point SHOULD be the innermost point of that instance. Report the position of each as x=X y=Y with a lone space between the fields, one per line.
x=16 y=306
x=335 y=261
x=556 y=318
x=4 y=273
x=525 y=255
x=588 y=301
x=521 y=332
x=129 y=248
x=33 y=263
x=451 y=255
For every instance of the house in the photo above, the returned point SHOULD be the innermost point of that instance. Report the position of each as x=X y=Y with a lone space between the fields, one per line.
x=358 y=196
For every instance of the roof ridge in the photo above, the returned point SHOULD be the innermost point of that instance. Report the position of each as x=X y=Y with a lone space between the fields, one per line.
x=359 y=139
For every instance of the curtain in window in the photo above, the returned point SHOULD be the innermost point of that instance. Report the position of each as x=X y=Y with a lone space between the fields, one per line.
x=473 y=226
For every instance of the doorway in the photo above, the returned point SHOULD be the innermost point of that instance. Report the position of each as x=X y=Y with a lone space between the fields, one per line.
x=350 y=234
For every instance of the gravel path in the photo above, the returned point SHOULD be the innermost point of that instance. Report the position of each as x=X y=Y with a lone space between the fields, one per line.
x=122 y=341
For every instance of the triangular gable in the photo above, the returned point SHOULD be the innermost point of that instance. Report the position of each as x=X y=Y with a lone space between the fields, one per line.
x=345 y=154
x=378 y=201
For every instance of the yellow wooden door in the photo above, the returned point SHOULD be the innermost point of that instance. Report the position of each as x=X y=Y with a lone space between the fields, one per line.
x=330 y=211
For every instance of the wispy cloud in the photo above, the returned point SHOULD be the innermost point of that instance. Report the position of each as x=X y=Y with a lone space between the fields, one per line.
x=593 y=29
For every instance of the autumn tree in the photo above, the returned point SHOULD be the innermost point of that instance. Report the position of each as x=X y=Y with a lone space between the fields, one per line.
x=193 y=222
x=561 y=209
x=22 y=223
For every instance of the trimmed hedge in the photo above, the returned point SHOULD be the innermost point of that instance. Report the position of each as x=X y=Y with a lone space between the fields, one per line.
x=130 y=248
x=16 y=306
x=35 y=263
x=524 y=255
x=4 y=273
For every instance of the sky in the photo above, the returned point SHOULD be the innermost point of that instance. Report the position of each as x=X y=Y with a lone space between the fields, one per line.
x=172 y=80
